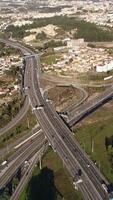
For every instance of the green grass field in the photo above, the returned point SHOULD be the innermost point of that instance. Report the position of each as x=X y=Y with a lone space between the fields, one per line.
x=95 y=128
x=20 y=129
x=50 y=59
x=62 y=183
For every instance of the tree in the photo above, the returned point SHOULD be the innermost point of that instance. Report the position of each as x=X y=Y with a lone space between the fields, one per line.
x=41 y=36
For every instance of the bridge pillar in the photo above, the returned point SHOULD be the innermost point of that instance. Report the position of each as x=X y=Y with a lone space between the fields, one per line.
x=19 y=173
x=10 y=187
x=40 y=162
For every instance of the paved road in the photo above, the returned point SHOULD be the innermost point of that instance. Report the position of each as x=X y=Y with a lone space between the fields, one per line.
x=9 y=148
x=27 y=174
x=61 y=138
x=69 y=80
x=70 y=108
x=17 y=118
x=24 y=108
x=88 y=107
x=58 y=133
x=20 y=158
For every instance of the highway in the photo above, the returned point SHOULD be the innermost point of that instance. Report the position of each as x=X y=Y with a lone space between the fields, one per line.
x=19 y=146
x=27 y=174
x=20 y=157
x=88 y=107
x=24 y=108
x=9 y=148
x=61 y=137
x=58 y=133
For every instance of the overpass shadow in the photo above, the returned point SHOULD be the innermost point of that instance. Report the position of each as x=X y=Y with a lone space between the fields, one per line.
x=66 y=123
x=42 y=187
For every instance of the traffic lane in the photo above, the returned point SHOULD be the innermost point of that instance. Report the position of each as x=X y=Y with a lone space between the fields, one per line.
x=35 y=94
x=20 y=159
x=49 y=129
x=81 y=158
x=26 y=176
x=9 y=148
x=17 y=118
x=72 y=141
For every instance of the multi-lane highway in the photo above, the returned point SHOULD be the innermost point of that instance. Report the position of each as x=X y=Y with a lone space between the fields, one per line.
x=25 y=106
x=20 y=157
x=61 y=137
x=88 y=107
x=27 y=174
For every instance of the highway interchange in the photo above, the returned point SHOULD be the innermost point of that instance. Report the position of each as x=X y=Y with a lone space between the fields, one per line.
x=59 y=135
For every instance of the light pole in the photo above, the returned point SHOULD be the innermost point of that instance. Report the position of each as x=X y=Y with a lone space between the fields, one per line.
x=92 y=145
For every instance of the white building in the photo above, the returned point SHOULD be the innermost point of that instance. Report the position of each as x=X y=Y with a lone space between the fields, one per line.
x=105 y=68
x=74 y=45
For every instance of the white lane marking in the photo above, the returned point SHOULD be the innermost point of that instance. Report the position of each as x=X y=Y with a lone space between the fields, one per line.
x=16 y=147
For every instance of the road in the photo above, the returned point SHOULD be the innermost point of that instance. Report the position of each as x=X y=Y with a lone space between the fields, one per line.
x=58 y=133
x=68 y=80
x=28 y=173
x=20 y=157
x=17 y=118
x=70 y=108
x=88 y=107
x=61 y=137
x=9 y=148
x=22 y=111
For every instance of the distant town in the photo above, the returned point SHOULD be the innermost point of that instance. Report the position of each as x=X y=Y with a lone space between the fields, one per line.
x=22 y=12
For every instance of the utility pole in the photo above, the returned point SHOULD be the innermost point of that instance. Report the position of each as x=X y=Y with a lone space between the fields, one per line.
x=99 y=165
x=84 y=147
x=58 y=98
x=28 y=125
x=7 y=149
x=40 y=162
x=92 y=145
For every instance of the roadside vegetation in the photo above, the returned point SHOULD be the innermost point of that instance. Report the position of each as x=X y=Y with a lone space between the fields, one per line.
x=12 y=100
x=9 y=110
x=49 y=58
x=95 y=134
x=50 y=183
x=23 y=127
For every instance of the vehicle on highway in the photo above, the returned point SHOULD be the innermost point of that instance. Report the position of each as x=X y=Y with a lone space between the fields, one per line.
x=105 y=187
x=27 y=87
x=79 y=172
x=37 y=107
x=4 y=163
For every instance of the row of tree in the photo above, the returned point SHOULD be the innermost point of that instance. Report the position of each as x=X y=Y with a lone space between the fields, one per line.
x=88 y=31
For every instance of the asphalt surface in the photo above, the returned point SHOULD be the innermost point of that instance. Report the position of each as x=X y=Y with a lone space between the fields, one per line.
x=61 y=137
x=88 y=107
x=54 y=127
x=9 y=148
x=27 y=174
x=24 y=108
x=20 y=158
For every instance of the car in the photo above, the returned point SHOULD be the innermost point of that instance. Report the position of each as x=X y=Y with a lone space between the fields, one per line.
x=63 y=137
x=79 y=172
x=27 y=173
x=27 y=87
x=105 y=187
x=4 y=163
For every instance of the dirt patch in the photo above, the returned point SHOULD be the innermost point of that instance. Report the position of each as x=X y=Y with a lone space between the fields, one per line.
x=6 y=79
x=63 y=97
x=104 y=113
